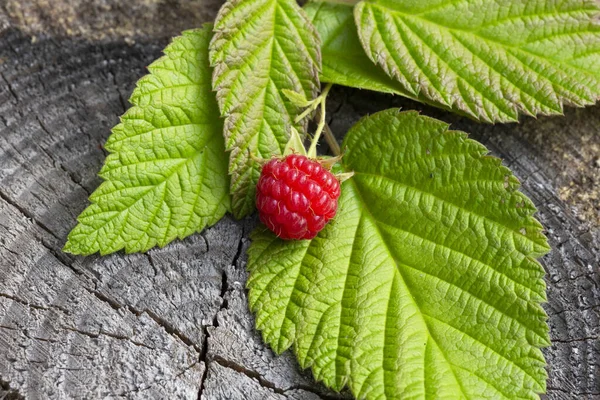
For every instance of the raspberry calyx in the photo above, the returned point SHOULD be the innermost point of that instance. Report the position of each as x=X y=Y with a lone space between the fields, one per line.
x=296 y=196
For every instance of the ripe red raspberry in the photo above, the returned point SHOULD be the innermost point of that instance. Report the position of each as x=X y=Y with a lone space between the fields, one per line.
x=296 y=197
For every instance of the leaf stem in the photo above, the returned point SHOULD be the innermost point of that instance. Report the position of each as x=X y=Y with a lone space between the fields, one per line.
x=319 y=101
x=330 y=138
x=331 y=141
x=313 y=106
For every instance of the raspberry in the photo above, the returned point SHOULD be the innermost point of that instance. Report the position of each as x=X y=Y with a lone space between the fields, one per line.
x=296 y=197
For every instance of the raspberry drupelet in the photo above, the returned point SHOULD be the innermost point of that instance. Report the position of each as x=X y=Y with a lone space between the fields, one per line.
x=296 y=196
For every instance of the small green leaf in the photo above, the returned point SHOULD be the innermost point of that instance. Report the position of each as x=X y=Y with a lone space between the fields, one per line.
x=295 y=144
x=425 y=285
x=488 y=59
x=166 y=176
x=344 y=60
x=260 y=48
x=297 y=99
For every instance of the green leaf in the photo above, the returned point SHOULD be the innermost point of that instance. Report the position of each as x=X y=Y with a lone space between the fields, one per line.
x=166 y=176
x=489 y=59
x=344 y=60
x=295 y=145
x=425 y=285
x=297 y=99
x=260 y=48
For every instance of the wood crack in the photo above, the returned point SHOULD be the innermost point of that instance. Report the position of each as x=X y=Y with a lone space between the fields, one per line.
x=215 y=323
x=265 y=382
x=249 y=373
x=10 y=88
x=575 y=340
x=108 y=334
x=33 y=305
x=170 y=329
x=27 y=214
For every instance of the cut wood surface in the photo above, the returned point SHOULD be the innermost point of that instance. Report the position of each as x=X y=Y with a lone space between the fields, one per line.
x=174 y=323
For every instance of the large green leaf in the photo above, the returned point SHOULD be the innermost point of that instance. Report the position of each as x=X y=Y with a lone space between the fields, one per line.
x=166 y=176
x=425 y=285
x=490 y=59
x=344 y=61
x=260 y=48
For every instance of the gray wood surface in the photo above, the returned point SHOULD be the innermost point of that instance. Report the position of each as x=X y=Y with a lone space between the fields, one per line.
x=173 y=323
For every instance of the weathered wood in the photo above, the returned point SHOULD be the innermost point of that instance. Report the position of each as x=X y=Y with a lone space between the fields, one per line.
x=174 y=323
x=106 y=19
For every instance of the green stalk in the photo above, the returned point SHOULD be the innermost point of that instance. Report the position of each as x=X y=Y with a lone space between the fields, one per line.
x=320 y=101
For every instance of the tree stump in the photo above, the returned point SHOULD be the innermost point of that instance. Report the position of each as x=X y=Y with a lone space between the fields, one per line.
x=174 y=323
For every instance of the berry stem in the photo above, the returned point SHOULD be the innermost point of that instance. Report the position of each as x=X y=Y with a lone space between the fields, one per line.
x=312 y=107
x=320 y=101
x=330 y=139
x=314 y=104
